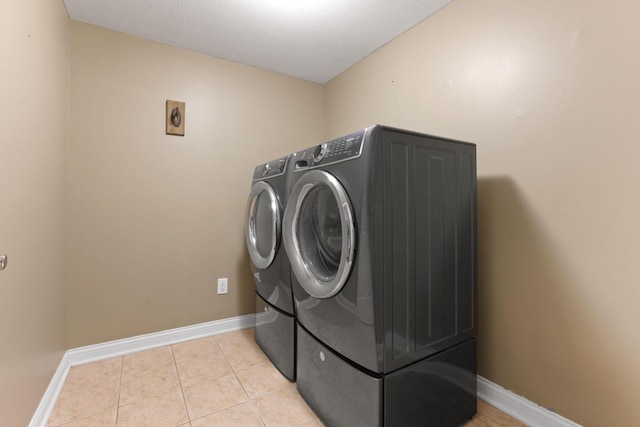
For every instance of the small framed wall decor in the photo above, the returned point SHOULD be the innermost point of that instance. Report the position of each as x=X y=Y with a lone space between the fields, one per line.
x=175 y=118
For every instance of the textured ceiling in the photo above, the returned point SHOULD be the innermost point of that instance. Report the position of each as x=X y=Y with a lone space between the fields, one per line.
x=309 y=39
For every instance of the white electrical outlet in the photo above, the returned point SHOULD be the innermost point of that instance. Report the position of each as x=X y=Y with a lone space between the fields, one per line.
x=223 y=285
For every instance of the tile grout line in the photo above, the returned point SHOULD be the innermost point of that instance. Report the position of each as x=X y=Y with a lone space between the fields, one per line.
x=184 y=400
x=212 y=337
x=136 y=378
x=250 y=401
x=99 y=383
x=119 y=389
x=264 y=423
x=233 y=370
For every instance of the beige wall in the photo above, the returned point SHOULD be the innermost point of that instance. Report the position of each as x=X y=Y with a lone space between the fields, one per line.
x=154 y=220
x=34 y=72
x=550 y=93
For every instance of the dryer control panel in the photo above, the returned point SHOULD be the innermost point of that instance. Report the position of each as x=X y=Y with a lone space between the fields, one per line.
x=270 y=169
x=334 y=151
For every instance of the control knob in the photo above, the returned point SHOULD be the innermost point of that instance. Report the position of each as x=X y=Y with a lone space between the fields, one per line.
x=319 y=152
x=266 y=169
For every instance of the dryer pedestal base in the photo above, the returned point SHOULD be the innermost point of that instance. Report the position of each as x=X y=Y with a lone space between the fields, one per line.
x=438 y=391
x=276 y=335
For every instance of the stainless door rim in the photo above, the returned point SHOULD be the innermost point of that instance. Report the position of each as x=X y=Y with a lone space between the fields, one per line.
x=258 y=260
x=312 y=284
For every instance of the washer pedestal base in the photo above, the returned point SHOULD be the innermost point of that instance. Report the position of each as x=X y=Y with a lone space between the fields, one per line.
x=438 y=391
x=276 y=335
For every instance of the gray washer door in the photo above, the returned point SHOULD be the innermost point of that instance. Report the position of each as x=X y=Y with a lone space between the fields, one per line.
x=263 y=225
x=318 y=234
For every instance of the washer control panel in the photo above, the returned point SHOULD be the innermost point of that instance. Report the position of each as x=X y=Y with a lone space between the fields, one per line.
x=333 y=151
x=270 y=169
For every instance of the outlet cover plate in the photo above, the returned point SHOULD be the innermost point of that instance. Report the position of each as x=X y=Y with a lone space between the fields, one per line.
x=223 y=285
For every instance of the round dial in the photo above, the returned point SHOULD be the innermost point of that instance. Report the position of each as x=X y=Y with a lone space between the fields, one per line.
x=319 y=152
x=266 y=169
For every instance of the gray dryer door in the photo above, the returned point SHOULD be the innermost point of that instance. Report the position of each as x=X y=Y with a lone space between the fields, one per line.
x=318 y=234
x=263 y=225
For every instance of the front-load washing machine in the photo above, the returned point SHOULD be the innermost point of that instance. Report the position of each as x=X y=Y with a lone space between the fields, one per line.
x=380 y=230
x=275 y=330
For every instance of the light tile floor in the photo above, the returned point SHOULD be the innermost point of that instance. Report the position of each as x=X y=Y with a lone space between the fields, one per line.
x=223 y=380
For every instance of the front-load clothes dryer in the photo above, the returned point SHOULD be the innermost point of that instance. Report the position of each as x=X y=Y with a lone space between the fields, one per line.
x=275 y=330
x=380 y=230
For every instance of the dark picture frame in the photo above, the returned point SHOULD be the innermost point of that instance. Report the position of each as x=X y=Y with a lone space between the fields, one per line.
x=175 y=118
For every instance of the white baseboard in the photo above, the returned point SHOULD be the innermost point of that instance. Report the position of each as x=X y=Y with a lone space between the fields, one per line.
x=43 y=410
x=93 y=353
x=519 y=407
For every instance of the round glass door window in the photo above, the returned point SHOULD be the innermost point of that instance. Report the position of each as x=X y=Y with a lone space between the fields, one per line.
x=319 y=231
x=318 y=234
x=263 y=225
